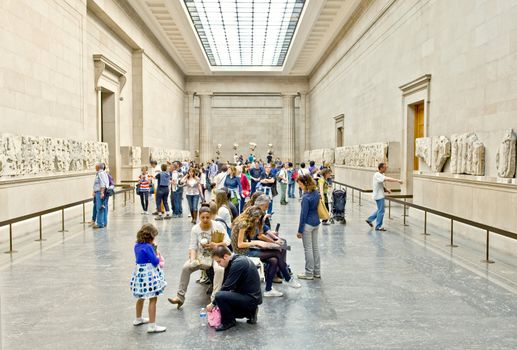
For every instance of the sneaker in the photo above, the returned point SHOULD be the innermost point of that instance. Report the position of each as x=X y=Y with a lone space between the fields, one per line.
x=369 y=223
x=303 y=276
x=146 y=213
x=317 y=276
x=273 y=293
x=140 y=321
x=294 y=283
x=156 y=329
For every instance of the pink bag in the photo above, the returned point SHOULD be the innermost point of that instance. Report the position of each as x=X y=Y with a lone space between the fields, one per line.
x=214 y=317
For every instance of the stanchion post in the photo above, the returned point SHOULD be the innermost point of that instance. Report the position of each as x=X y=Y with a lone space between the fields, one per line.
x=40 y=231
x=114 y=195
x=84 y=215
x=352 y=195
x=10 y=251
x=125 y=198
x=487 y=258
x=359 y=198
x=389 y=208
x=425 y=224
x=63 y=221
x=452 y=245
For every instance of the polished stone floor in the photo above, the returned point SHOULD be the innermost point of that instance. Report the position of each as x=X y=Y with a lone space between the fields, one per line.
x=378 y=291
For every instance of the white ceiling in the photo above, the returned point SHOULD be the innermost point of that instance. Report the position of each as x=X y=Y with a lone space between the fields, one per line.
x=320 y=23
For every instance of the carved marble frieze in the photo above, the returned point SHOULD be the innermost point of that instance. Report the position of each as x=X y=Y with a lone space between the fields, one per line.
x=320 y=155
x=363 y=156
x=506 y=152
x=131 y=156
x=163 y=155
x=467 y=155
x=434 y=151
x=23 y=155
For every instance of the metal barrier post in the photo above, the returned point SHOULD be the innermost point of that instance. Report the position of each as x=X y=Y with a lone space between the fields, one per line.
x=10 y=240
x=125 y=199
x=487 y=260
x=62 y=221
x=114 y=195
x=133 y=194
x=352 y=195
x=359 y=198
x=389 y=208
x=84 y=215
x=404 y=213
x=452 y=245
x=425 y=224
x=40 y=232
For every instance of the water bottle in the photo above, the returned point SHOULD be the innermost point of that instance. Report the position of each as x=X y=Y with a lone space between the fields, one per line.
x=203 y=316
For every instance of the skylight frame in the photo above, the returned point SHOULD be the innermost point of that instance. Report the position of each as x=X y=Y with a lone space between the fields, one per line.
x=246 y=37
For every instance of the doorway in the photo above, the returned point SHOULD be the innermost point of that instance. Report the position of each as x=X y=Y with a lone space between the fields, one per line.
x=419 y=129
x=108 y=127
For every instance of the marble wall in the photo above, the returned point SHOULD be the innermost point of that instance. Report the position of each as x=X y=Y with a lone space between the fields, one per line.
x=163 y=155
x=25 y=156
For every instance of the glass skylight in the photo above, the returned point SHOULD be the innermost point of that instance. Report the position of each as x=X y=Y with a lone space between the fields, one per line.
x=245 y=32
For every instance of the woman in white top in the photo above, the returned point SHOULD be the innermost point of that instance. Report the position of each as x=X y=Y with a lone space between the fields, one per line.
x=193 y=191
x=223 y=207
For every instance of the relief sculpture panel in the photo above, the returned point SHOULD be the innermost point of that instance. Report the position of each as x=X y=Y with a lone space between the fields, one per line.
x=25 y=156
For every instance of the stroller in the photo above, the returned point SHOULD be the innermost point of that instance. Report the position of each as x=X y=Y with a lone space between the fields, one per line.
x=338 y=206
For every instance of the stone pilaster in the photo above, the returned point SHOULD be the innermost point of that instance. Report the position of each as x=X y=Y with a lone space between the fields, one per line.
x=288 y=147
x=205 y=134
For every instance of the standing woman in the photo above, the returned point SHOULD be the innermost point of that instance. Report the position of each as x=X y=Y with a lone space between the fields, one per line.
x=323 y=186
x=308 y=227
x=223 y=207
x=233 y=184
x=245 y=185
x=193 y=191
x=145 y=181
x=203 y=181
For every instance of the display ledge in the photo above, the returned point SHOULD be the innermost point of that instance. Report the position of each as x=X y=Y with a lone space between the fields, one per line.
x=33 y=179
x=390 y=170
x=469 y=179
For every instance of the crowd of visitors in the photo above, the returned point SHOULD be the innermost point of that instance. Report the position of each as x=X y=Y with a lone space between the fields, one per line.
x=232 y=229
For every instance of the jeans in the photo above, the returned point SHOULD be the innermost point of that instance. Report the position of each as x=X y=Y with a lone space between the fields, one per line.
x=267 y=192
x=242 y=204
x=94 y=211
x=312 y=250
x=290 y=190
x=378 y=215
x=190 y=267
x=162 y=194
x=144 y=200
x=102 y=209
x=283 y=193
x=193 y=201
x=235 y=305
x=253 y=187
x=276 y=261
x=178 y=205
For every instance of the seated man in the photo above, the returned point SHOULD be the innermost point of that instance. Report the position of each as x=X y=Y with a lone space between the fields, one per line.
x=240 y=294
x=201 y=244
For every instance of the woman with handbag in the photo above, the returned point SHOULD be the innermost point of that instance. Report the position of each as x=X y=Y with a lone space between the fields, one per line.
x=201 y=246
x=194 y=191
x=308 y=226
x=145 y=182
x=323 y=186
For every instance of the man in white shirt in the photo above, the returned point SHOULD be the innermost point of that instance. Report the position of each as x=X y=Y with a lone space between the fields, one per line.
x=378 y=196
x=221 y=177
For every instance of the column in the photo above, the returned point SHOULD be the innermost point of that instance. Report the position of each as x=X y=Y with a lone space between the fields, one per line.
x=205 y=133
x=289 y=131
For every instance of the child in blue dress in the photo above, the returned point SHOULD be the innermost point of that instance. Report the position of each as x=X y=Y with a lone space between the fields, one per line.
x=147 y=281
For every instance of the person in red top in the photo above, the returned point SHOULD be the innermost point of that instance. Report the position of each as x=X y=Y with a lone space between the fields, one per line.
x=246 y=187
x=144 y=183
